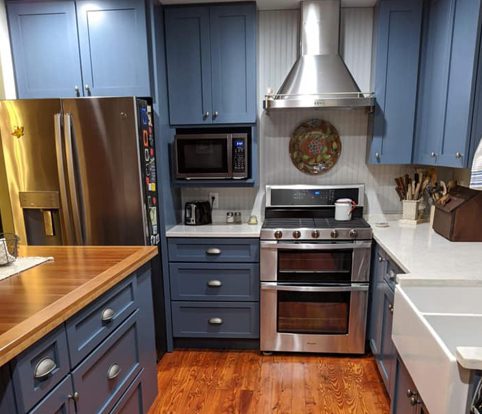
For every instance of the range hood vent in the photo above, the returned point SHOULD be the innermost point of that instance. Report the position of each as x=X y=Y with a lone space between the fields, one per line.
x=319 y=78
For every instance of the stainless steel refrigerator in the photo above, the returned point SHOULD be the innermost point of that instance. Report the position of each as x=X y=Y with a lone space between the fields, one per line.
x=82 y=172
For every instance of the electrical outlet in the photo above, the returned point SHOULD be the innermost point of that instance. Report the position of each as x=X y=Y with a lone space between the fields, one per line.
x=214 y=200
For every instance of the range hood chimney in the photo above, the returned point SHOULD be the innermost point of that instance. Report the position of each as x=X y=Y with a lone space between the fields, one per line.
x=319 y=78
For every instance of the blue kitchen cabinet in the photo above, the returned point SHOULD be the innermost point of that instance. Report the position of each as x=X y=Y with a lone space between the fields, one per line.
x=211 y=64
x=45 y=49
x=113 y=47
x=396 y=77
x=188 y=58
x=59 y=401
x=448 y=83
x=7 y=399
x=81 y=48
x=406 y=399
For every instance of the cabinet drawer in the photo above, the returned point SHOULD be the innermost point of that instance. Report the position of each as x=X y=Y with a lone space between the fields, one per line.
x=92 y=325
x=106 y=373
x=131 y=402
x=58 y=400
x=391 y=274
x=215 y=281
x=213 y=250
x=40 y=368
x=215 y=319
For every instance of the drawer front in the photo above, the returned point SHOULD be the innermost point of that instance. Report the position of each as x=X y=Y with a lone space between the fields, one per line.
x=131 y=402
x=92 y=325
x=213 y=250
x=215 y=319
x=107 y=373
x=215 y=281
x=40 y=368
x=58 y=400
x=392 y=271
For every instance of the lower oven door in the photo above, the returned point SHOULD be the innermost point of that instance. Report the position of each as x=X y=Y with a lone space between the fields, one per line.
x=328 y=319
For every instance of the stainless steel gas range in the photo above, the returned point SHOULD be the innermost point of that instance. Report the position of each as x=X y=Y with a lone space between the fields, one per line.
x=314 y=271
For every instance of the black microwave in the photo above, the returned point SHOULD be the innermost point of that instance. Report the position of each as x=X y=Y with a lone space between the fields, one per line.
x=211 y=156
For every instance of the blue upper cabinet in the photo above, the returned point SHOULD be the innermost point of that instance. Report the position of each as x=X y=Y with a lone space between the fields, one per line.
x=233 y=51
x=45 y=49
x=82 y=48
x=188 y=53
x=396 y=76
x=211 y=64
x=448 y=84
x=113 y=47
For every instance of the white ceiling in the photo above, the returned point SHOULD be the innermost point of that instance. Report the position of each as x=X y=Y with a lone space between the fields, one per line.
x=276 y=4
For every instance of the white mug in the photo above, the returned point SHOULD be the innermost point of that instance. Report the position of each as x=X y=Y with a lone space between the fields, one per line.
x=343 y=209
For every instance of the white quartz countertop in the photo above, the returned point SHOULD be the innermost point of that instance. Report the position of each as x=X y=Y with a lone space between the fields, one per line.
x=424 y=254
x=215 y=230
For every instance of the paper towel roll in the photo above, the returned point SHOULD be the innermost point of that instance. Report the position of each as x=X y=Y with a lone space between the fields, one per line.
x=476 y=173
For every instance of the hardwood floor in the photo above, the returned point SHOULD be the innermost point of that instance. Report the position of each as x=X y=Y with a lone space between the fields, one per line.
x=213 y=382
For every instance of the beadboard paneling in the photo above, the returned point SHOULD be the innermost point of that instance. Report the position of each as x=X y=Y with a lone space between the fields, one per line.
x=277 y=51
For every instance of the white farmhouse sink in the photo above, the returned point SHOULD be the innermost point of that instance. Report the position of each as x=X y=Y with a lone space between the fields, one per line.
x=429 y=323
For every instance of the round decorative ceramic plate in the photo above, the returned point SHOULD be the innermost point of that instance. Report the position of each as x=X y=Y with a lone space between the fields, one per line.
x=315 y=147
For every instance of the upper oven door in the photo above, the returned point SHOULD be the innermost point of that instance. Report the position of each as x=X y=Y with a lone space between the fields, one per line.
x=201 y=156
x=315 y=263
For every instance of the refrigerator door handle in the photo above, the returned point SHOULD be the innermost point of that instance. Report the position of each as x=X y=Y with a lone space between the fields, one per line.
x=67 y=234
x=69 y=156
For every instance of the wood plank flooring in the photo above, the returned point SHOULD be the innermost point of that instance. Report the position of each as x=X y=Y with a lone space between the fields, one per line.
x=212 y=382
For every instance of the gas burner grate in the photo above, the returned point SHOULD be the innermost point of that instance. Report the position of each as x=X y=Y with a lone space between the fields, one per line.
x=288 y=223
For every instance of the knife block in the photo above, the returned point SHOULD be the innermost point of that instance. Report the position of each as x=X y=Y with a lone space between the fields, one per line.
x=461 y=218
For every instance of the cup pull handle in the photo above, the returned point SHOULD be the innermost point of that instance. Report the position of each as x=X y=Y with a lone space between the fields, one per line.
x=44 y=368
x=107 y=315
x=113 y=371
x=215 y=283
x=213 y=251
x=215 y=321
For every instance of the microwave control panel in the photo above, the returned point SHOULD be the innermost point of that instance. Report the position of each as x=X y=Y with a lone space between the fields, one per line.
x=239 y=157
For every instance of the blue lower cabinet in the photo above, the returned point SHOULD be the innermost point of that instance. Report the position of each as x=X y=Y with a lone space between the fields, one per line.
x=215 y=319
x=40 y=368
x=107 y=373
x=214 y=281
x=7 y=398
x=132 y=401
x=59 y=401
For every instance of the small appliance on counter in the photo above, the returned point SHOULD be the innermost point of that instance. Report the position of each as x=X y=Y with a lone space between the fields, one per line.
x=197 y=213
x=460 y=218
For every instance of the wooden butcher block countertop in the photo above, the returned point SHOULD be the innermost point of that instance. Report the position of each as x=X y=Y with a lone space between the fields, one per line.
x=36 y=301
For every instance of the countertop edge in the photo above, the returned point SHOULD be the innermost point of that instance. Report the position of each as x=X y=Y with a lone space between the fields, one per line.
x=43 y=322
x=469 y=357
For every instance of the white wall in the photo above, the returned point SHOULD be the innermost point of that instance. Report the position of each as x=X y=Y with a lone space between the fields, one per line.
x=277 y=51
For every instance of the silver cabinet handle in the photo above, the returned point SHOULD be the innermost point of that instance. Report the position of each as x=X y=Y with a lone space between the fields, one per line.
x=108 y=314
x=77 y=90
x=113 y=371
x=390 y=308
x=215 y=321
x=380 y=259
x=213 y=251
x=392 y=275
x=87 y=89
x=75 y=396
x=206 y=114
x=44 y=368
x=433 y=155
x=215 y=114
x=411 y=393
x=215 y=283
x=377 y=156
x=458 y=155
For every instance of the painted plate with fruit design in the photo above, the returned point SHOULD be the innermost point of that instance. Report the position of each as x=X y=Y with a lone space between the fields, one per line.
x=315 y=147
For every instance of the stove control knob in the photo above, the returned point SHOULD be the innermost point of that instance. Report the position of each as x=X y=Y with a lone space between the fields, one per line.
x=334 y=234
x=315 y=234
x=278 y=234
x=353 y=234
x=296 y=234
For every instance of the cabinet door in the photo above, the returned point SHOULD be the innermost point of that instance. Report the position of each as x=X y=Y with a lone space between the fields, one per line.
x=7 y=399
x=113 y=47
x=402 y=402
x=188 y=53
x=379 y=266
x=387 y=358
x=398 y=48
x=45 y=48
x=233 y=56
x=59 y=401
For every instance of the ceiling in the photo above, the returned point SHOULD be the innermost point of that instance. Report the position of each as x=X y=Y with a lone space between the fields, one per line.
x=276 y=4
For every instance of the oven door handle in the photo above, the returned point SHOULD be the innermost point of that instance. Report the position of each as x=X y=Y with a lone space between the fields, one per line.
x=315 y=246
x=290 y=288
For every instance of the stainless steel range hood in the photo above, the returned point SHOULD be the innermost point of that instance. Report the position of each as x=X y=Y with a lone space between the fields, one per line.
x=319 y=78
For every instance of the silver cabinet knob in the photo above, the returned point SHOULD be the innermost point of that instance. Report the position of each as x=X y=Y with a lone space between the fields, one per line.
x=44 y=368
x=205 y=114
x=215 y=321
x=215 y=283
x=391 y=308
x=377 y=156
x=75 y=396
x=392 y=275
x=433 y=155
x=215 y=114
x=213 y=251
x=77 y=90
x=414 y=401
x=411 y=393
x=380 y=259
x=458 y=155
x=108 y=314
x=87 y=89
x=113 y=371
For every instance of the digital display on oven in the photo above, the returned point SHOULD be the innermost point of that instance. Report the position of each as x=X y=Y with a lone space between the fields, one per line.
x=310 y=197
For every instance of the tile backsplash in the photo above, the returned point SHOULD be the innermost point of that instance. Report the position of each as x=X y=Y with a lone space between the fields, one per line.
x=277 y=51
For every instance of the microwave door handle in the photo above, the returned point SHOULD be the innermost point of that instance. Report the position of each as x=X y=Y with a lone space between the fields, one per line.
x=288 y=288
x=67 y=234
x=314 y=246
x=74 y=194
x=229 y=143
